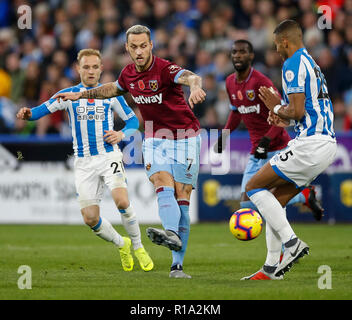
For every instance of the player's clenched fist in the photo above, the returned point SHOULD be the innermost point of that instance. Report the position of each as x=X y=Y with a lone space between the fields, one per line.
x=24 y=114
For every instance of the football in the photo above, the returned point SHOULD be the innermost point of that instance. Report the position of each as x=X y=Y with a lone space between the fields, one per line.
x=246 y=224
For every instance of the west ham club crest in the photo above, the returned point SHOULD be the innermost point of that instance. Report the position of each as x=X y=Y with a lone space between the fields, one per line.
x=153 y=85
x=250 y=94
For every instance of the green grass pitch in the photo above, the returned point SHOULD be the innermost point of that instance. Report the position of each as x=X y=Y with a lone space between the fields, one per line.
x=69 y=262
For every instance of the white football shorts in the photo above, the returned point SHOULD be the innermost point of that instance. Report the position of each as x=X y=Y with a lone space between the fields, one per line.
x=304 y=159
x=91 y=173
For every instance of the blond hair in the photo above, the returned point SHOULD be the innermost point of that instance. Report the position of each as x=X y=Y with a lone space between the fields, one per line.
x=88 y=52
x=138 y=29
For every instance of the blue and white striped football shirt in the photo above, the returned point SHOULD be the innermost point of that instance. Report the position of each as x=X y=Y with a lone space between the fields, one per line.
x=89 y=119
x=301 y=74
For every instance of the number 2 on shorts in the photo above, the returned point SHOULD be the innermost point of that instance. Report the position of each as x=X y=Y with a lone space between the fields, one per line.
x=116 y=165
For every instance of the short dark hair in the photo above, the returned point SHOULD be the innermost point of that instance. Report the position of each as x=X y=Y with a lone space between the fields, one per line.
x=250 y=46
x=287 y=26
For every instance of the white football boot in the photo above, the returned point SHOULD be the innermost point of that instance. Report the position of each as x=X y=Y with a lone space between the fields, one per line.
x=294 y=250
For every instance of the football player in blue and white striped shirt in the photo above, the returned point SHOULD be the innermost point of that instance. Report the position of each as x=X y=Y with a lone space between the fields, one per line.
x=309 y=108
x=98 y=159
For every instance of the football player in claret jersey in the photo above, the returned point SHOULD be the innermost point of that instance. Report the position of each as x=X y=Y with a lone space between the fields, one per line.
x=172 y=143
x=267 y=140
x=308 y=107
x=98 y=159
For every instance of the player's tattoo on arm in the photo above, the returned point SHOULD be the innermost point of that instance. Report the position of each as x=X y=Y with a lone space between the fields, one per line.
x=190 y=79
x=105 y=91
x=287 y=113
x=194 y=82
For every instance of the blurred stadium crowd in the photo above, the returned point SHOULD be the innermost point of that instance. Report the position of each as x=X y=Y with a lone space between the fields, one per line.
x=196 y=34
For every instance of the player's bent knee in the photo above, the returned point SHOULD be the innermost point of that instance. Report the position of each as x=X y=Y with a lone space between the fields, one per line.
x=91 y=221
x=183 y=191
x=90 y=211
x=90 y=215
x=122 y=203
x=162 y=178
x=120 y=196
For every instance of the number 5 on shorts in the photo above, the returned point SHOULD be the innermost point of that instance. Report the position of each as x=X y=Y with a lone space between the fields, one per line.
x=285 y=157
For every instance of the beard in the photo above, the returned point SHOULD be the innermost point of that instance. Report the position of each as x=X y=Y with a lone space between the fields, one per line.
x=282 y=52
x=243 y=67
x=143 y=66
x=284 y=56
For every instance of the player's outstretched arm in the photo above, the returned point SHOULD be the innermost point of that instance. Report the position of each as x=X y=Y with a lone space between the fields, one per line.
x=188 y=78
x=34 y=113
x=105 y=91
x=50 y=106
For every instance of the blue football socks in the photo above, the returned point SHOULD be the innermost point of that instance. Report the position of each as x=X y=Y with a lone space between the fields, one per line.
x=169 y=211
x=299 y=198
x=183 y=232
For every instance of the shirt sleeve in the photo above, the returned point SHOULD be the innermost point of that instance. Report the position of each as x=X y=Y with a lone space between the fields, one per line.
x=172 y=72
x=119 y=86
x=50 y=106
x=231 y=105
x=294 y=75
x=120 y=82
x=273 y=132
x=233 y=120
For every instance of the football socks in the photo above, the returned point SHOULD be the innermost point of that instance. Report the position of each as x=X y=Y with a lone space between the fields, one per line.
x=106 y=231
x=130 y=223
x=272 y=211
x=169 y=211
x=183 y=231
